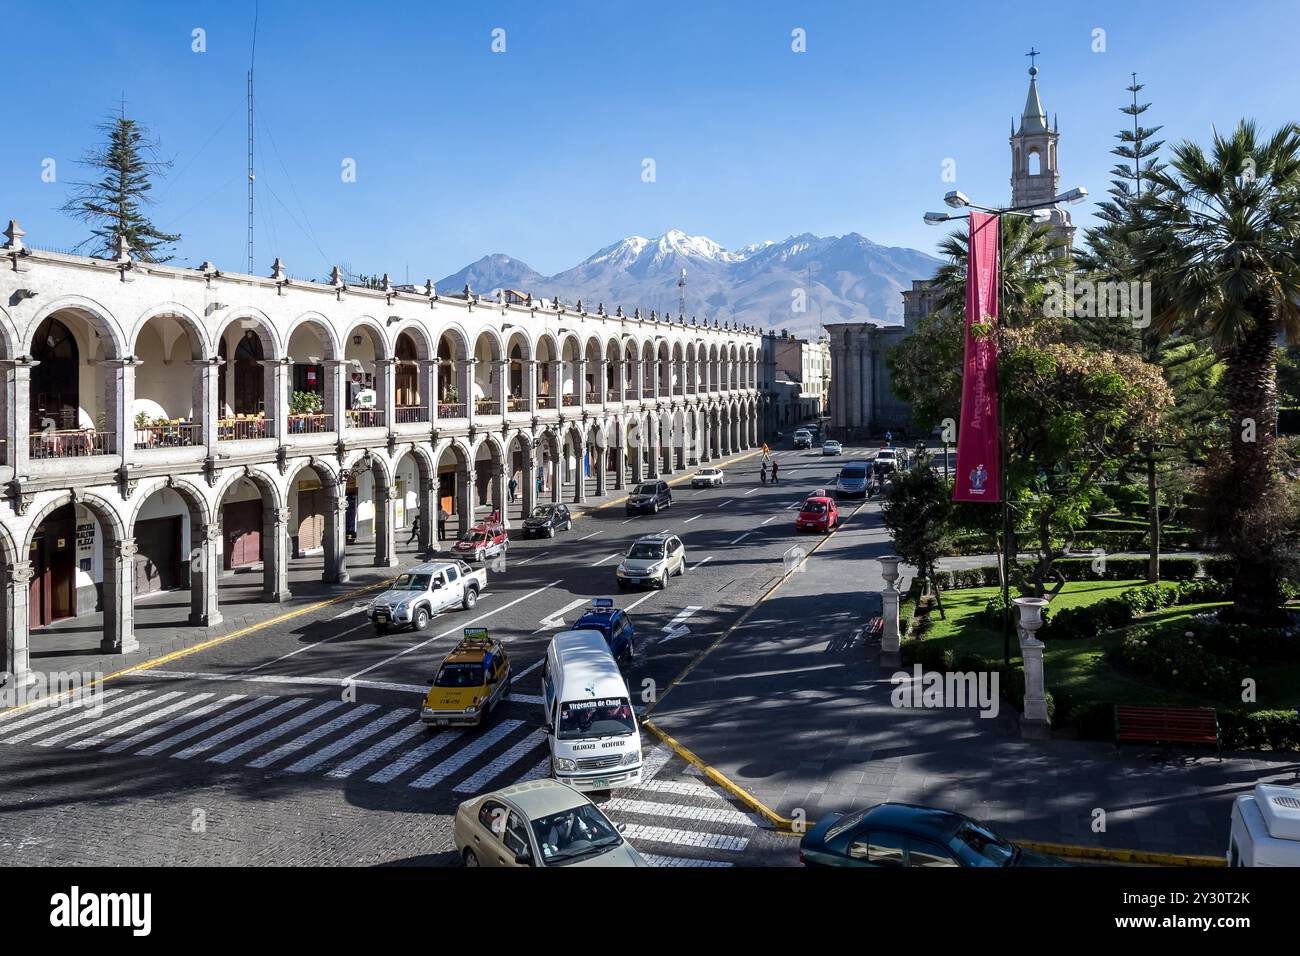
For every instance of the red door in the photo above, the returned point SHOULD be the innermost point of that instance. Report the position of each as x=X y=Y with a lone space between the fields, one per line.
x=241 y=523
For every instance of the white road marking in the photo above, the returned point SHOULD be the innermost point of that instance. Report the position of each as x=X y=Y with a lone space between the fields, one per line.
x=533 y=558
x=45 y=711
x=676 y=628
x=742 y=537
x=592 y=535
x=528 y=670
x=313 y=735
x=725 y=503
x=194 y=731
x=376 y=751
x=203 y=746
x=174 y=723
x=447 y=633
x=633 y=518
x=88 y=713
x=654 y=762
x=694 y=566
x=604 y=559
x=283 y=679
x=680 y=811
x=543 y=769
x=414 y=757
x=713 y=841
x=498 y=766
x=276 y=732
x=773 y=518
x=100 y=722
x=689 y=520
x=464 y=755
x=797 y=504
x=681 y=788
x=355 y=609
x=307 y=647
x=526 y=699
x=641 y=600
x=343 y=743
x=657 y=859
x=120 y=729
x=556 y=619
x=750 y=492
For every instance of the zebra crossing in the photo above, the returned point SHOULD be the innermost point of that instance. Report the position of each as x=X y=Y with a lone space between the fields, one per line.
x=680 y=820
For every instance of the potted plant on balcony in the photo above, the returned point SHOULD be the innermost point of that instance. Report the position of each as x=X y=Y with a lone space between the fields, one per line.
x=302 y=404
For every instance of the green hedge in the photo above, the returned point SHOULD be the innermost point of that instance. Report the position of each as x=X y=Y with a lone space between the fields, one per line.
x=1080 y=569
x=932 y=657
x=1238 y=729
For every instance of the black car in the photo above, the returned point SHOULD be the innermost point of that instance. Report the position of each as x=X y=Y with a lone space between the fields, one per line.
x=903 y=834
x=546 y=520
x=651 y=496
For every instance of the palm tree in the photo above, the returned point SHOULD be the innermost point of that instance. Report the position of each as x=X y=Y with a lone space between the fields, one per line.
x=1224 y=260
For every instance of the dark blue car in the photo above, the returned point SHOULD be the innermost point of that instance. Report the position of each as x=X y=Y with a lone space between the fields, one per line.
x=615 y=625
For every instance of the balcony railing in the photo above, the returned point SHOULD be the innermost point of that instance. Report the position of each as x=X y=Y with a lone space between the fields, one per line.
x=545 y=401
x=407 y=414
x=72 y=443
x=240 y=429
x=570 y=400
x=178 y=435
x=630 y=394
x=647 y=392
x=365 y=418
x=451 y=410
x=310 y=423
x=593 y=398
x=487 y=406
x=517 y=404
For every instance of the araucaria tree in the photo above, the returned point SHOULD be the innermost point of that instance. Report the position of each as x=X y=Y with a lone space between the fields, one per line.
x=114 y=203
x=1223 y=244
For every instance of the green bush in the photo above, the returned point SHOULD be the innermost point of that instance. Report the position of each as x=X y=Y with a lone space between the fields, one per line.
x=1087 y=620
x=1256 y=729
x=1090 y=719
x=1174 y=655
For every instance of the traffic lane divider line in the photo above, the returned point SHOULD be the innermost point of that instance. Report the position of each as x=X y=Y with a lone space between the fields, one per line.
x=673 y=481
x=155 y=662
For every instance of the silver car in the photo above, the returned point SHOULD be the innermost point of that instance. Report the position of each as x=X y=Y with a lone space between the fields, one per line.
x=707 y=478
x=541 y=823
x=652 y=560
x=832 y=447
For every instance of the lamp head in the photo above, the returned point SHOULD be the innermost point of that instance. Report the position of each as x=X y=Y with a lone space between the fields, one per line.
x=1076 y=195
x=957 y=199
x=936 y=218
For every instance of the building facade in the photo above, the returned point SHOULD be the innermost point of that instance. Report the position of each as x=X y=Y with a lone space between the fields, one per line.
x=1035 y=164
x=795 y=382
x=863 y=403
x=164 y=427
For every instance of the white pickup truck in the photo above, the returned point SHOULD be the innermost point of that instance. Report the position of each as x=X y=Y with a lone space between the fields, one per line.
x=425 y=590
x=1266 y=827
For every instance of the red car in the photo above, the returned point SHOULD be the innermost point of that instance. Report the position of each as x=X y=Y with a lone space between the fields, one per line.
x=486 y=540
x=817 y=514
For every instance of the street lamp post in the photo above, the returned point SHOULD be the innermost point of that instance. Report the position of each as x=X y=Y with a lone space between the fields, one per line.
x=1038 y=212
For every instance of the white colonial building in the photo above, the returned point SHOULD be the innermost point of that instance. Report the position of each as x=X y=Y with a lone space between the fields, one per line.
x=163 y=426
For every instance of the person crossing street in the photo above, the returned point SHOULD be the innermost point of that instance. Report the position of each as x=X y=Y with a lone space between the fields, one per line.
x=775 y=466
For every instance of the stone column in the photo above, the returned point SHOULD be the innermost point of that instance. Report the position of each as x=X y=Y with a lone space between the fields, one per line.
x=386 y=391
x=385 y=525
x=530 y=387
x=205 y=569
x=465 y=493
x=620 y=463
x=428 y=515
x=467 y=388
x=119 y=386
x=275 y=553
x=529 y=479
x=17 y=413
x=602 y=467
x=557 y=473
x=650 y=450
x=336 y=534
x=497 y=492
x=207 y=383
x=275 y=385
x=580 y=478
x=503 y=386
x=428 y=384
x=602 y=387
x=1034 y=721
x=119 y=597
x=580 y=381
x=334 y=402
x=890 y=644
x=17 y=660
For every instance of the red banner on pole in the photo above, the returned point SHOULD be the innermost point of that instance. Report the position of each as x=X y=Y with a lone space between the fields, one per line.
x=978 y=475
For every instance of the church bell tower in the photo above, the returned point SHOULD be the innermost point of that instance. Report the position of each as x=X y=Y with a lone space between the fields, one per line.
x=1035 y=173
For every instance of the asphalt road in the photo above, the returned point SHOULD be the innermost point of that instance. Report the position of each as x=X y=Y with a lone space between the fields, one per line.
x=300 y=743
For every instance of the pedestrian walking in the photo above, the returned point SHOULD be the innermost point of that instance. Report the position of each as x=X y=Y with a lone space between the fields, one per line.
x=442 y=524
x=514 y=486
x=762 y=473
x=775 y=466
x=415 y=529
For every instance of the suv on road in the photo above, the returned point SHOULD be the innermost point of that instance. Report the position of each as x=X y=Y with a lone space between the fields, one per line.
x=649 y=496
x=803 y=438
x=548 y=519
x=425 y=590
x=652 y=560
x=853 y=480
x=480 y=542
x=615 y=625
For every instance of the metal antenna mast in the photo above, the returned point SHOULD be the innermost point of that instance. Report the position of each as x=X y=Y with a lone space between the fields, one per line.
x=251 y=59
x=681 y=294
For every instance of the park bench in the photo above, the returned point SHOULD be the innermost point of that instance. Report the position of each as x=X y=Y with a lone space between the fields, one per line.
x=1166 y=725
x=875 y=625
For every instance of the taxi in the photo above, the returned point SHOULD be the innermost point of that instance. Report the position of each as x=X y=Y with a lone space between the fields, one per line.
x=470 y=682
x=817 y=513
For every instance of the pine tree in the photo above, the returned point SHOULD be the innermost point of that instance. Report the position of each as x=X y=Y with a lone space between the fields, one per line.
x=115 y=203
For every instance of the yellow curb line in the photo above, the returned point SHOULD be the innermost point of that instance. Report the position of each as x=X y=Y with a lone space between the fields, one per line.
x=1146 y=857
x=204 y=645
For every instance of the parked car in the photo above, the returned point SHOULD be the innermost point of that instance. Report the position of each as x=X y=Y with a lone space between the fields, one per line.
x=818 y=513
x=486 y=540
x=903 y=834
x=548 y=519
x=803 y=438
x=832 y=447
x=885 y=461
x=470 y=682
x=539 y=823
x=707 y=478
x=1265 y=828
x=651 y=496
x=615 y=625
x=652 y=559
x=853 y=480
x=425 y=590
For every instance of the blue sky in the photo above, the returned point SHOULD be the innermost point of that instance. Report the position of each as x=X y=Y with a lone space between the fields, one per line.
x=538 y=151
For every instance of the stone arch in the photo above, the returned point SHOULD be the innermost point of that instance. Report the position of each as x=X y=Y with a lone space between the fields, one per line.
x=332 y=348
x=200 y=346
x=272 y=345
x=372 y=327
x=98 y=318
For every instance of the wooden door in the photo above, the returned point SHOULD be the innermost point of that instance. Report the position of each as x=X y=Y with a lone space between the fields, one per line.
x=311 y=519
x=158 y=555
x=241 y=523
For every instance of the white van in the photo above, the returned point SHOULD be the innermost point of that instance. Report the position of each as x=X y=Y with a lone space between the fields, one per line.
x=590 y=727
x=1266 y=827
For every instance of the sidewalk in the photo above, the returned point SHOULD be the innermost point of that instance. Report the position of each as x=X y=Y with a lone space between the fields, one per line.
x=793 y=709
x=72 y=645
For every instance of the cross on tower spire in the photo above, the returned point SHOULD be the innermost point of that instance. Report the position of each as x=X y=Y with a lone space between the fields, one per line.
x=1033 y=57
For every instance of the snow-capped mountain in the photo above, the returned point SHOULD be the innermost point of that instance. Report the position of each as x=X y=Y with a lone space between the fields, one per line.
x=835 y=278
